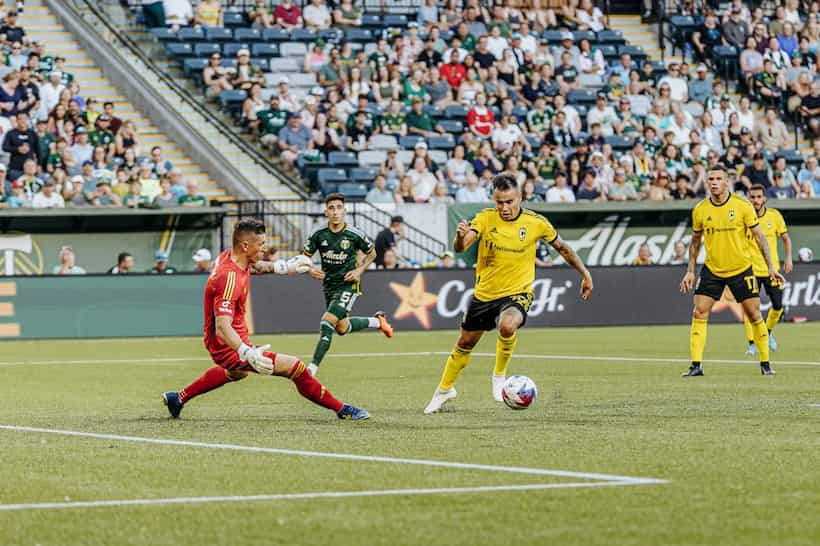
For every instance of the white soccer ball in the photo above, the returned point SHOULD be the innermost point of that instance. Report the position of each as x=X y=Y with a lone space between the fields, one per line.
x=300 y=263
x=519 y=392
x=805 y=254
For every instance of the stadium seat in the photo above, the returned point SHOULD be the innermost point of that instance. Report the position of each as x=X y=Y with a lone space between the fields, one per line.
x=231 y=100
x=193 y=67
x=611 y=37
x=681 y=28
x=383 y=142
x=579 y=35
x=371 y=21
x=363 y=175
x=331 y=35
x=284 y=64
x=394 y=20
x=247 y=35
x=581 y=96
x=190 y=34
x=438 y=156
x=534 y=140
x=693 y=108
x=432 y=110
x=264 y=50
x=232 y=19
x=302 y=79
x=609 y=51
x=178 y=50
x=230 y=49
x=636 y=52
x=303 y=35
x=218 y=34
x=446 y=34
x=162 y=34
x=328 y=179
x=404 y=157
x=206 y=49
x=620 y=143
x=454 y=126
x=342 y=159
x=353 y=191
x=725 y=60
x=456 y=111
x=408 y=142
x=442 y=142
x=275 y=35
x=590 y=81
x=292 y=49
x=360 y=35
x=794 y=158
x=372 y=158
x=552 y=36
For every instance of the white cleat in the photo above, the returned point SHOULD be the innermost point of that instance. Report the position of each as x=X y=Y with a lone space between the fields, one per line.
x=498 y=387
x=440 y=398
x=313 y=369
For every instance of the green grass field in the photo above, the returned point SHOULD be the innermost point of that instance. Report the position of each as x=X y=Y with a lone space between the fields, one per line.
x=740 y=451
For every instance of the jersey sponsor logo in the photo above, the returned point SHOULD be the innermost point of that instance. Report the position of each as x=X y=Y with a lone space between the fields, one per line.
x=225 y=305
x=335 y=257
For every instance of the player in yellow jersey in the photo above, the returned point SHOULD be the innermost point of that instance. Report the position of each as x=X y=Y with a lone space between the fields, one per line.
x=721 y=222
x=773 y=226
x=508 y=236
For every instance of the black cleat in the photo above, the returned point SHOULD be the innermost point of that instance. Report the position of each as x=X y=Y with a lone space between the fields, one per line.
x=766 y=369
x=695 y=370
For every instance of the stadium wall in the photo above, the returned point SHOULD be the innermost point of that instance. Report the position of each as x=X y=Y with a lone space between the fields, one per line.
x=171 y=305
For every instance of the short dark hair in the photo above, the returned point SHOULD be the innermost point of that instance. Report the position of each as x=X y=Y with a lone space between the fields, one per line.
x=396 y=220
x=335 y=197
x=246 y=226
x=108 y=103
x=757 y=187
x=504 y=182
x=122 y=256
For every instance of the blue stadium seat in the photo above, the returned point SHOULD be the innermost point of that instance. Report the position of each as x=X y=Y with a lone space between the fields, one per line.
x=620 y=143
x=613 y=37
x=230 y=49
x=247 y=35
x=442 y=142
x=432 y=110
x=206 y=49
x=232 y=19
x=579 y=35
x=454 y=126
x=331 y=35
x=292 y=49
x=371 y=21
x=456 y=111
x=275 y=35
x=329 y=179
x=265 y=50
x=190 y=34
x=303 y=35
x=407 y=142
x=581 y=96
x=194 y=66
x=395 y=20
x=609 y=51
x=363 y=175
x=353 y=191
x=218 y=34
x=179 y=49
x=361 y=35
x=342 y=159
x=636 y=52
x=446 y=34
x=534 y=140
x=552 y=36
x=231 y=100
x=162 y=34
x=794 y=158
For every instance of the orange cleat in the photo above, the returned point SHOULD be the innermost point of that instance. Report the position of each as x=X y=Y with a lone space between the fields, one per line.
x=384 y=326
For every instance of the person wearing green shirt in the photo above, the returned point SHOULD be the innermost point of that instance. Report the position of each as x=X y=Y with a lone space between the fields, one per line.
x=134 y=198
x=393 y=122
x=193 y=198
x=420 y=122
x=102 y=136
x=468 y=41
x=339 y=246
x=161 y=266
x=380 y=57
x=271 y=122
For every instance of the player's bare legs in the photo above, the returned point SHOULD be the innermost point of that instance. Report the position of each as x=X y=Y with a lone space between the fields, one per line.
x=751 y=307
x=457 y=361
x=509 y=322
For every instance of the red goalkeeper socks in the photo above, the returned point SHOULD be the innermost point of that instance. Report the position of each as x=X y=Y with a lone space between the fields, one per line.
x=309 y=387
x=212 y=379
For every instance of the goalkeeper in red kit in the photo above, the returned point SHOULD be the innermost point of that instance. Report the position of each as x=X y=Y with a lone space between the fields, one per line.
x=226 y=333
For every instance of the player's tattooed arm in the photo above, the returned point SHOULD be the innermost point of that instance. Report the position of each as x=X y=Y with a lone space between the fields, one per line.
x=355 y=274
x=694 y=249
x=465 y=236
x=760 y=239
x=261 y=267
x=572 y=259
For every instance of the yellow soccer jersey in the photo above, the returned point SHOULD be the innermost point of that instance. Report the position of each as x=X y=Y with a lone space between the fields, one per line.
x=506 y=252
x=773 y=227
x=724 y=234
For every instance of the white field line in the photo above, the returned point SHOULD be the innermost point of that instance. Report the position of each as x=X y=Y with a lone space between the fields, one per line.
x=344 y=456
x=316 y=495
x=591 y=358
x=814 y=405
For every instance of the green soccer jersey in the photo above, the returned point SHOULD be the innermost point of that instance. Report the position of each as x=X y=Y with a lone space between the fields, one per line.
x=538 y=121
x=272 y=120
x=392 y=122
x=338 y=254
x=100 y=138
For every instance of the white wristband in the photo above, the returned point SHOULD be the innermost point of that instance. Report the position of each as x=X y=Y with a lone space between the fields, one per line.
x=242 y=351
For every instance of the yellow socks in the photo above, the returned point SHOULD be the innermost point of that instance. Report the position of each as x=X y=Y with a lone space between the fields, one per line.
x=750 y=334
x=773 y=318
x=504 y=348
x=456 y=362
x=761 y=337
x=697 y=340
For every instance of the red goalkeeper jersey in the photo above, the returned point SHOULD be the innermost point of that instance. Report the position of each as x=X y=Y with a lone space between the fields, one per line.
x=226 y=294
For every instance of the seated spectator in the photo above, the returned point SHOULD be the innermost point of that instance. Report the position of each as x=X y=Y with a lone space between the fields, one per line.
x=589 y=190
x=810 y=109
x=347 y=15
x=125 y=264
x=246 y=74
x=770 y=85
x=166 y=198
x=134 y=198
x=216 y=77
x=507 y=133
x=178 y=13
x=294 y=138
x=701 y=87
x=21 y=143
x=31 y=182
x=735 y=28
x=424 y=181
x=472 y=192
x=620 y=190
x=316 y=15
x=209 y=13
x=604 y=115
x=202 y=259
x=358 y=136
x=82 y=150
x=678 y=86
x=644 y=256
x=161 y=266
x=67 y=264
x=480 y=118
x=758 y=173
x=405 y=191
x=287 y=15
x=192 y=197
x=420 y=122
x=47 y=197
x=105 y=197
x=315 y=58
x=379 y=194
x=771 y=132
x=560 y=192
x=19 y=197
x=787 y=40
x=809 y=176
x=780 y=189
x=658 y=190
x=706 y=38
x=458 y=168
x=389 y=260
x=528 y=194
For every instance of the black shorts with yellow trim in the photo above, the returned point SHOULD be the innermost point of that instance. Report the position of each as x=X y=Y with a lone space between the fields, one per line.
x=483 y=315
x=743 y=285
x=773 y=289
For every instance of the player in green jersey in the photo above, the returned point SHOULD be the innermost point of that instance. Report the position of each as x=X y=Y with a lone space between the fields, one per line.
x=339 y=246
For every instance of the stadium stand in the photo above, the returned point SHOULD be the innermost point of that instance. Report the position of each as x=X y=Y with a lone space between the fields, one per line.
x=69 y=138
x=545 y=88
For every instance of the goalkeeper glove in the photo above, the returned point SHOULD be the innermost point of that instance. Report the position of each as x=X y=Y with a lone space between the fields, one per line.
x=293 y=266
x=255 y=357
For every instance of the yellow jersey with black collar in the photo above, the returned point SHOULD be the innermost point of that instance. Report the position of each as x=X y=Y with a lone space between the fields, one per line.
x=724 y=229
x=506 y=252
x=773 y=226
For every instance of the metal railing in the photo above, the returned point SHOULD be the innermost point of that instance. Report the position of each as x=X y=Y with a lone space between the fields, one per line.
x=291 y=222
x=124 y=40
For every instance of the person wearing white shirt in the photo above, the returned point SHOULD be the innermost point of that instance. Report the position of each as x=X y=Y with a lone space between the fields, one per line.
x=590 y=17
x=424 y=181
x=573 y=119
x=745 y=114
x=681 y=129
x=50 y=94
x=720 y=115
x=471 y=192
x=678 y=87
x=178 y=12
x=528 y=42
x=47 y=198
x=496 y=43
x=602 y=114
x=316 y=15
x=506 y=134
x=560 y=192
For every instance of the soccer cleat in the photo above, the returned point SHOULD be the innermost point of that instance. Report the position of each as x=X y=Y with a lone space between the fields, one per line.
x=352 y=413
x=695 y=370
x=766 y=369
x=313 y=369
x=772 y=342
x=440 y=398
x=384 y=326
x=498 y=387
x=751 y=350
x=171 y=400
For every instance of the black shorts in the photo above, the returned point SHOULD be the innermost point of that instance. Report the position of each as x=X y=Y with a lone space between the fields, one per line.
x=483 y=315
x=743 y=285
x=774 y=290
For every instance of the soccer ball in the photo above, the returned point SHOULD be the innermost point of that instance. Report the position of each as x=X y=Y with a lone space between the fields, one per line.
x=805 y=254
x=519 y=392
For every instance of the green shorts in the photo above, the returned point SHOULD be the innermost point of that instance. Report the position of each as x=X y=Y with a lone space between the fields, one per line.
x=340 y=301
